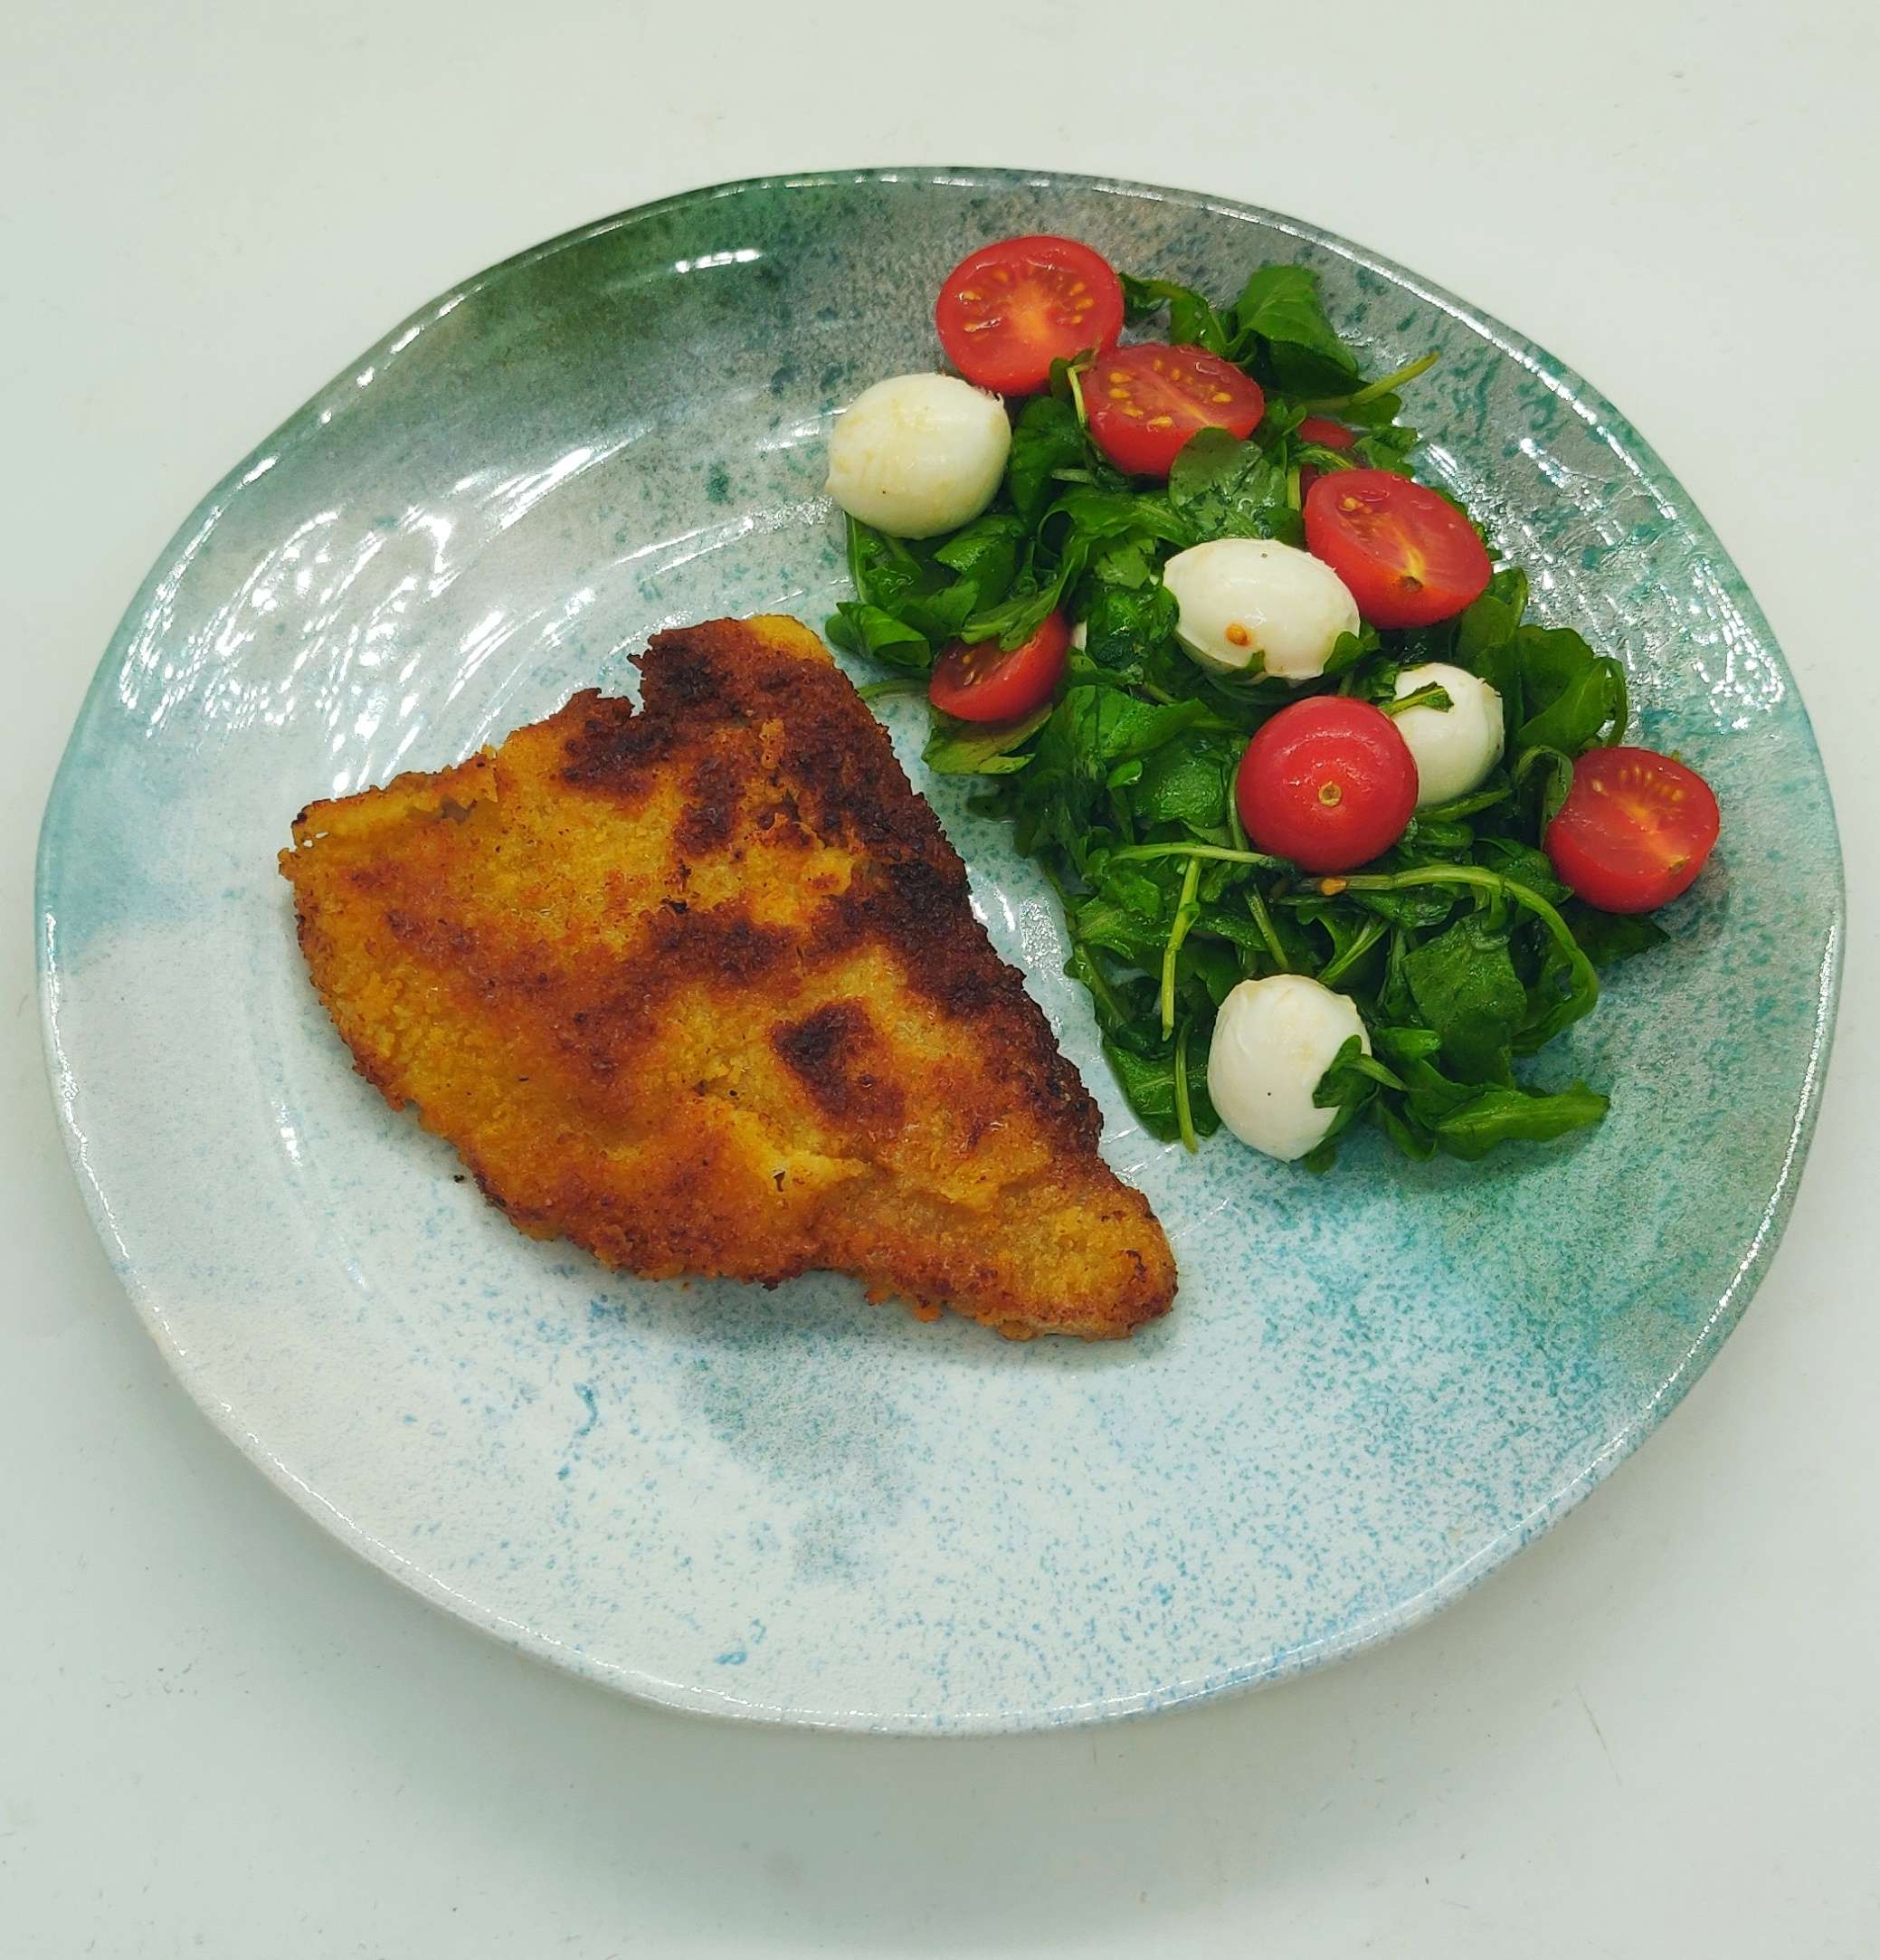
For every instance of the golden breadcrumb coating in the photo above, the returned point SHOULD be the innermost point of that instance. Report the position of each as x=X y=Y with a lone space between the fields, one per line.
x=699 y=988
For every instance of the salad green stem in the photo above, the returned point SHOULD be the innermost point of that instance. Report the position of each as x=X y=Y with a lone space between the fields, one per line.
x=1387 y=385
x=1186 y=912
x=1220 y=853
x=1184 y=1114
x=1585 y=981
x=1458 y=807
x=1622 y=712
x=1263 y=918
x=1092 y=975
x=1341 y=963
x=895 y=684
x=1430 y=696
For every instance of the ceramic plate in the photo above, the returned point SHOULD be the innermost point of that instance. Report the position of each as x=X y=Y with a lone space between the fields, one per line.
x=1376 y=1385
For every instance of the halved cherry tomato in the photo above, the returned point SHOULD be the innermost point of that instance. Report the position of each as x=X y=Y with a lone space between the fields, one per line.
x=985 y=683
x=1008 y=311
x=1143 y=402
x=1327 y=435
x=1635 y=830
x=1328 y=783
x=1409 y=556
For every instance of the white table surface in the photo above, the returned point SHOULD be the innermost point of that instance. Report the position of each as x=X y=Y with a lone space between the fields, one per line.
x=220 y=1734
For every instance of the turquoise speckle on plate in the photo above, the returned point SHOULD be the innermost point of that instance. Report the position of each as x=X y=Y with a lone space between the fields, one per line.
x=1374 y=1385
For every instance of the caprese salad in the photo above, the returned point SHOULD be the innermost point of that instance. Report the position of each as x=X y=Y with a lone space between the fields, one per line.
x=1338 y=829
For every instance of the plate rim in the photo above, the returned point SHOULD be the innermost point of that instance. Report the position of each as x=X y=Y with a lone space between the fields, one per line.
x=323 y=407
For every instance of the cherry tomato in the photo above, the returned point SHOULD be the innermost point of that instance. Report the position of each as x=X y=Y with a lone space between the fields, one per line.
x=1409 y=556
x=1327 y=435
x=985 y=683
x=1008 y=311
x=1635 y=830
x=1328 y=783
x=1142 y=402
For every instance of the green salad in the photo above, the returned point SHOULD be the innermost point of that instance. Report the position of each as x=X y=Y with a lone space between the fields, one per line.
x=1340 y=833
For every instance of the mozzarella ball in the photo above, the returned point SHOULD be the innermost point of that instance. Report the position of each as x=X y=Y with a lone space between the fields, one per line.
x=1453 y=748
x=1249 y=601
x=1274 y=1040
x=918 y=455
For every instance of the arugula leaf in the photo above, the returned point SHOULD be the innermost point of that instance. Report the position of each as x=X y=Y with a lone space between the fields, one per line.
x=1494 y=788
x=1094 y=736
x=1225 y=488
x=970 y=749
x=1187 y=783
x=1437 y=1113
x=1500 y=1115
x=1048 y=438
x=1096 y=512
x=1429 y=1094
x=1569 y=692
x=1121 y=929
x=1092 y=729
x=1608 y=937
x=1347 y=1086
x=1467 y=990
x=885 y=571
x=858 y=628
x=1414 y=906
x=1125 y=564
x=1386 y=446
x=1553 y=772
x=1411 y=1137
x=1280 y=324
x=1149 y=1082
x=927 y=592
x=1429 y=695
x=1193 y=321
x=1525 y=864
x=1125 y=623
x=985 y=553
x=1489 y=621
x=1085 y=518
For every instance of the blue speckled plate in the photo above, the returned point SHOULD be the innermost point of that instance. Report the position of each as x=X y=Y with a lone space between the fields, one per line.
x=1374 y=1386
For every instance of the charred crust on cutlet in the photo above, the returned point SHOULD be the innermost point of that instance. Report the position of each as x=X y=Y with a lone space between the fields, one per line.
x=911 y=896
x=722 y=944
x=611 y=749
x=713 y=797
x=847 y=780
x=827 y=1050
x=702 y=674
x=918 y=909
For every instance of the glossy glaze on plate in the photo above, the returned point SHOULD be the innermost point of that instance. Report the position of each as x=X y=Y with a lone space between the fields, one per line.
x=1374 y=1386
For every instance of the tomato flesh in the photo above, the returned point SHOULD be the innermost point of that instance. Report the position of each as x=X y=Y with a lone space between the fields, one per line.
x=985 y=683
x=1329 y=783
x=1010 y=309
x=1409 y=557
x=1142 y=402
x=1635 y=830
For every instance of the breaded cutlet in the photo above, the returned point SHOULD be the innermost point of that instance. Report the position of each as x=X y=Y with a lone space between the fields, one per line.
x=699 y=988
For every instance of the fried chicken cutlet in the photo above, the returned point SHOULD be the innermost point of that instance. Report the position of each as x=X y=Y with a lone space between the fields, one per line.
x=699 y=988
